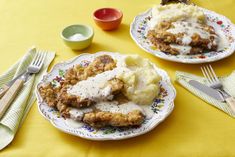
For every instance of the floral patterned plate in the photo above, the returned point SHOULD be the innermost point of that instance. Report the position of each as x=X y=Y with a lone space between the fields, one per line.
x=162 y=105
x=139 y=29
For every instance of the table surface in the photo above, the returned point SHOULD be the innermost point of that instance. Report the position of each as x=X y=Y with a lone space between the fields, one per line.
x=195 y=128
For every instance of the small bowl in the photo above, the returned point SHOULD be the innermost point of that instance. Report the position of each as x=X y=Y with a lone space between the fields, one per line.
x=108 y=18
x=77 y=37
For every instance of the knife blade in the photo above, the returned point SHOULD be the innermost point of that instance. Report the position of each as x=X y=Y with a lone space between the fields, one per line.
x=207 y=90
x=6 y=86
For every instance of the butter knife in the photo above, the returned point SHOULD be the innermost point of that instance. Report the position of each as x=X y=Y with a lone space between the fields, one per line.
x=6 y=86
x=207 y=90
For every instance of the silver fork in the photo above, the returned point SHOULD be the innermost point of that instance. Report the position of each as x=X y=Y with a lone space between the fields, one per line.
x=216 y=84
x=33 y=68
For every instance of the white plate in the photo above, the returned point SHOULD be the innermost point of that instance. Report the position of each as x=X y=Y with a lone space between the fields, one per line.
x=139 y=29
x=162 y=106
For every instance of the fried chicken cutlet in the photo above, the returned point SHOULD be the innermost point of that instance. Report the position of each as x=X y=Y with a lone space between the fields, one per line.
x=70 y=104
x=183 y=37
x=100 y=118
x=57 y=96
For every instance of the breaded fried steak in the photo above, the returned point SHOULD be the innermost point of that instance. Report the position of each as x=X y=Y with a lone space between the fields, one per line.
x=97 y=94
x=60 y=99
x=100 y=118
x=182 y=37
x=180 y=29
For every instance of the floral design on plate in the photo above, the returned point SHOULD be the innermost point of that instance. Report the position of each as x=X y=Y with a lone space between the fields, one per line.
x=139 y=29
x=162 y=105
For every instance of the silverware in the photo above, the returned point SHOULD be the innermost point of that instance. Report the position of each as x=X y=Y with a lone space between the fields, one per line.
x=215 y=83
x=6 y=86
x=207 y=90
x=33 y=68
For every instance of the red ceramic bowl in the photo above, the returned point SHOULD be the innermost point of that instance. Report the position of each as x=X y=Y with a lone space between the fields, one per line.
x=108 y=18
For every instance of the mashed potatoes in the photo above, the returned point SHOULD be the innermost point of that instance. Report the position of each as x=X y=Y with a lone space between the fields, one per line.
x=141 y=82
x=175 y=12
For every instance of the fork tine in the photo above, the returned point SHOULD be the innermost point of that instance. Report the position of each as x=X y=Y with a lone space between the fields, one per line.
x=42 y=59
x=204 y=72
x=213 y=72
x=39 y=58
x=210 y=74
x=35 y=58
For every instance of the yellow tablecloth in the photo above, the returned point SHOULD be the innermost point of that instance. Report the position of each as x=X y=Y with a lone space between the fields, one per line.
x=193 y=129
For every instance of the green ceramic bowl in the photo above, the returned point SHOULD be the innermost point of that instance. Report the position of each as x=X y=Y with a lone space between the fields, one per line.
x=77 y=37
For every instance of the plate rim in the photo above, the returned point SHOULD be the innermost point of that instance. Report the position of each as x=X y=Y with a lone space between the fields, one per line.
x=71 y=60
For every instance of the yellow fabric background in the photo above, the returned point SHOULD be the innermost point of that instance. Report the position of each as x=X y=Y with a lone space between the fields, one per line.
x=193 y=129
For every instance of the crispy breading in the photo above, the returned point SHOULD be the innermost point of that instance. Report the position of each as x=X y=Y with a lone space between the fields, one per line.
x=161 y=38
x=100 y=118
x=168 y=49
x=64 y=102
x=49 y=94
x=75 y=101
x=116 y=85
x=60 y=99
x=79 y=73
x=52 y=95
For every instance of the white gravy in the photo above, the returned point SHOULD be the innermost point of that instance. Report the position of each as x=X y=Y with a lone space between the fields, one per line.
x=94 y=87
x=113 y=107
x=147 y=111
x=222 y=41
x=107 y=106
x=73 y=123
x=189 y=28
x=182 y=49
x=77 y=114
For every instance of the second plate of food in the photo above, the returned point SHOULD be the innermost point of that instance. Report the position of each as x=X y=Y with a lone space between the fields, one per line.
x=106 y=96
x=184 y=33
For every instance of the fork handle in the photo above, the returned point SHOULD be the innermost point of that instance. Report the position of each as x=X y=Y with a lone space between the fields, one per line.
x=231 y=103
x=3 y=90
x=10 y=96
